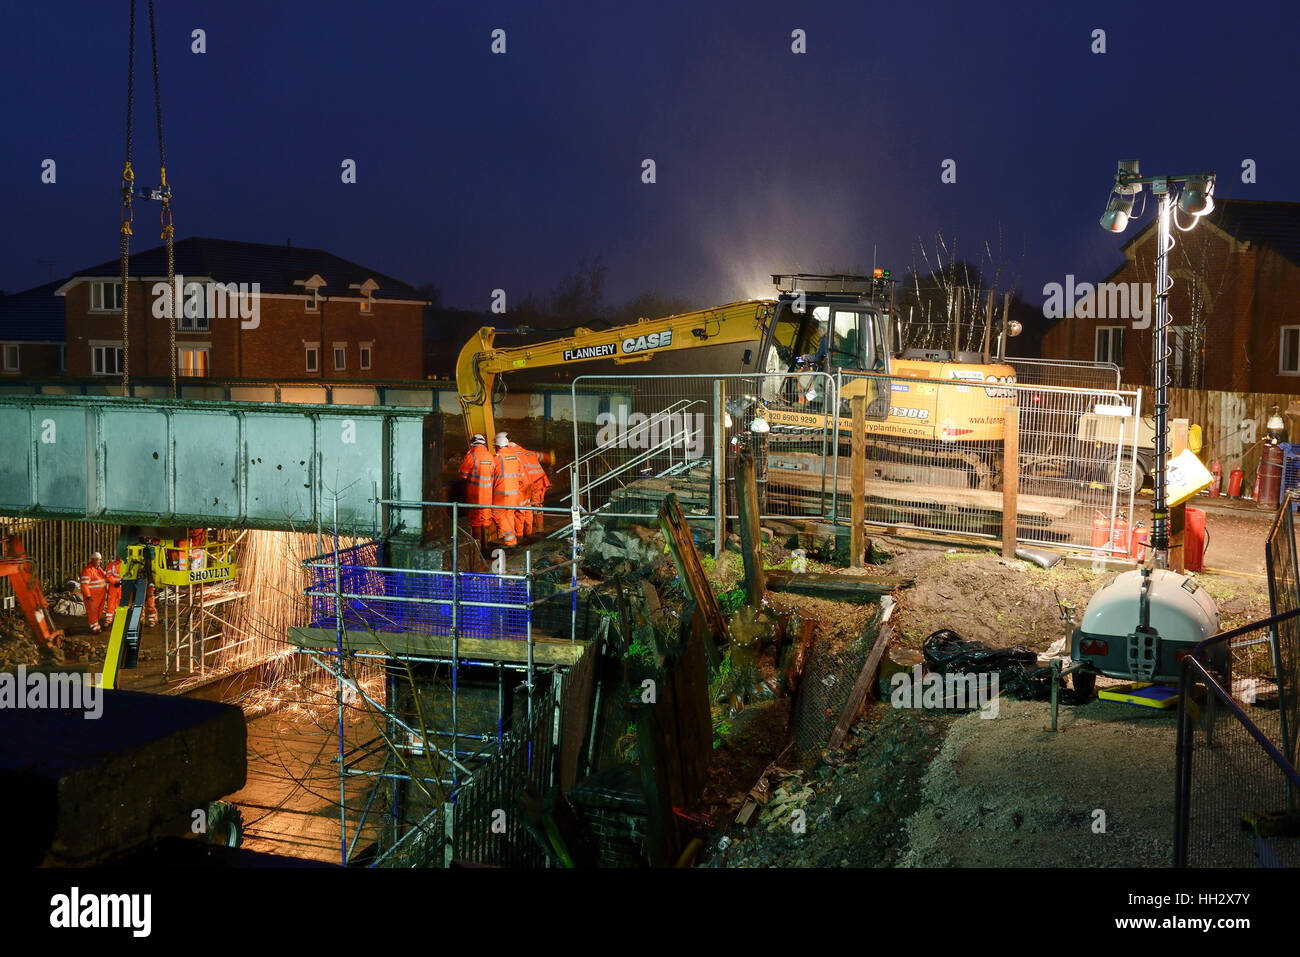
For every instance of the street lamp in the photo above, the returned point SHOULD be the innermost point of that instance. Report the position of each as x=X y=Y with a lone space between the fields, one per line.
x=1195 y=196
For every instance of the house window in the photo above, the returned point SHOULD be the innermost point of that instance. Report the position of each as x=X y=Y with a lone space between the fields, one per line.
x=193 y=314
x=192 y=360
x=313 y=357
x=106 y=360
x=1289 y=360
x=340 y=356
x=10 y=357
x=313 y=300
x=1110 y=344
x=105 y=296
x=365 y=355
x=367 y=304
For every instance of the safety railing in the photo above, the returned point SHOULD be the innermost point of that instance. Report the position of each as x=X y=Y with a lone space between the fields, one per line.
x=659 y=433
x=1235 y=799
x=1237 y=787
x=1284 y=595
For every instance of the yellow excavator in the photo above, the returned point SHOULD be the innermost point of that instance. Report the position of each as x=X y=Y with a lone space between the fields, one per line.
x=818 y=323
x=176 y=562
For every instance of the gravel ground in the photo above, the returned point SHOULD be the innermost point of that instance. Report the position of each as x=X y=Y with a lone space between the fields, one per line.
x=1007 y=792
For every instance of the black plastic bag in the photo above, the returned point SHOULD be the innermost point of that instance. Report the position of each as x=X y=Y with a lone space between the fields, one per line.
x=947 y=652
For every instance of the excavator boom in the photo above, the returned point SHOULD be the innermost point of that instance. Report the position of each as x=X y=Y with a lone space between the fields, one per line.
x=480 y=361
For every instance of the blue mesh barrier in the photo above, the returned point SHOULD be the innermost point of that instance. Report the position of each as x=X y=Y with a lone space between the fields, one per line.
x=415 y=601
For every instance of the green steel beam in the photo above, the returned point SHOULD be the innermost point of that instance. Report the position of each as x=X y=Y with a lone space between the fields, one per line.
x=209 y=464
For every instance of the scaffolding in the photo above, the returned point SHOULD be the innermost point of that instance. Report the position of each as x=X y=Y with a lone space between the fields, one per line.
x=426 y=627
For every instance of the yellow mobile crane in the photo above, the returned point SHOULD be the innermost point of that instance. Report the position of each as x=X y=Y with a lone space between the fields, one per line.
x=819 y=323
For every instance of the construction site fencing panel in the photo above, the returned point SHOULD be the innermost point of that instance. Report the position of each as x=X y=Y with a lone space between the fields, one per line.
x=656 y=434
x=1236 y=793
x=935 y=459
x=1073 y=373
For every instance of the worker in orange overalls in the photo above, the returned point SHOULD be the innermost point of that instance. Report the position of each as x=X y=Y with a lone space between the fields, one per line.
x=94 y=590
x=536 y=484
x=476 y=469
x=508 y=489
x=114 y=572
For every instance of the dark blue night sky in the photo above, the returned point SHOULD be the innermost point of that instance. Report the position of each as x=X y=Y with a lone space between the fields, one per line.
x=478 y=171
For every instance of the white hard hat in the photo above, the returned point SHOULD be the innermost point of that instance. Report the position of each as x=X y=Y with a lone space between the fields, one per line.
x=502 y=440
x=478 y=439
x=95 y=556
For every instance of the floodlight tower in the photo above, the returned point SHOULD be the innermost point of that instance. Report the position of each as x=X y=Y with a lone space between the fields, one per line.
x=1141 y=623
x=1196 y=198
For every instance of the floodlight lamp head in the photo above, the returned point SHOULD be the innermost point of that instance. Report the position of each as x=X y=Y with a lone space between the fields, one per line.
x=1197 y=197
x=1115 y=218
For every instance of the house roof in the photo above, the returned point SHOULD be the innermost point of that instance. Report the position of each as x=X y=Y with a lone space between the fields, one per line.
x=1262 y=222
x=33 y=315
x=274 y=268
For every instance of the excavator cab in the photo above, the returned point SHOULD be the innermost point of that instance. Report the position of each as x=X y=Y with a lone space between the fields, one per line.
x=824 y=332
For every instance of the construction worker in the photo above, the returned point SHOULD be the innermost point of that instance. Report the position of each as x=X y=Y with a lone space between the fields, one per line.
x=508 y=489
x=114 y=572
x=476 y=469
x=536 y=484
x=94 y=590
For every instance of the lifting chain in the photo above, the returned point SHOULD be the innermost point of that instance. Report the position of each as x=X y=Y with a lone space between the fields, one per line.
x=163 y=194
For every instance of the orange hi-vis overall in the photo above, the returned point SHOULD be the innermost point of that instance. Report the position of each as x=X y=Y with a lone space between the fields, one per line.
x=536 y=485
x=94 y=592
x=508 y=492
x=476 y=469
x=114 y=570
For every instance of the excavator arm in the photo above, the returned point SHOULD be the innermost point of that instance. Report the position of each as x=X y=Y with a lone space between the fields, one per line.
x=21 y=572
x=480 y=361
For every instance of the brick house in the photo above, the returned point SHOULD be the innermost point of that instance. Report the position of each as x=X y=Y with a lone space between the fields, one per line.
x=31 y=333
x=245 y=311
x=1234 y=305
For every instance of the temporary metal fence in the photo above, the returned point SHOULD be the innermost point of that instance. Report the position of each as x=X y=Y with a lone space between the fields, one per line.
x=935 y=459
x=1074 y=373
x=934 y=452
